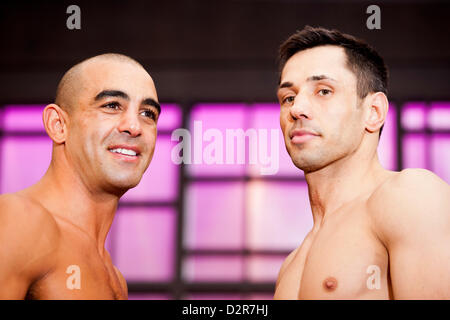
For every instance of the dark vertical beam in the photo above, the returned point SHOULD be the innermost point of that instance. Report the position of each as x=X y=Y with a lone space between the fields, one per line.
x=2 y=109
x=428 y=136
x=399 y=134
x=178 y=288
x=244 y=257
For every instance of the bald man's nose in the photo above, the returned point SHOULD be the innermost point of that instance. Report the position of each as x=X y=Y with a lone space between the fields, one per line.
x=129 y=123
x=300 y=108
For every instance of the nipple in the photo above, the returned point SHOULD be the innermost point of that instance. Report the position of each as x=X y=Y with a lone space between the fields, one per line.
x=330 y=284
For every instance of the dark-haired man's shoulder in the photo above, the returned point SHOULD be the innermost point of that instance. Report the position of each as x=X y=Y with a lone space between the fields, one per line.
x=411 y=216
x=412 y=198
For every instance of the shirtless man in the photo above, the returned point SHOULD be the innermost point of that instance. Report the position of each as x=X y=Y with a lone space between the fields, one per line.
x=52 y=234
x=377 y=234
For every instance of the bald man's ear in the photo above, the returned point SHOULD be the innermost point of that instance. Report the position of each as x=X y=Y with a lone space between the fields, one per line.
x=378 y=108
x=55 y=123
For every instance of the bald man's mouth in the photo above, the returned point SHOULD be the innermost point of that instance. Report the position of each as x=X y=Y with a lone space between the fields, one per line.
x=125 y=152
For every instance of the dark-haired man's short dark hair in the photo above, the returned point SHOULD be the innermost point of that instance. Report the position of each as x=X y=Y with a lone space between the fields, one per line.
x=368 y=66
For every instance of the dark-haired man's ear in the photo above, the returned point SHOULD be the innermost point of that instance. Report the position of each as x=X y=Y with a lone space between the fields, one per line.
x=55 y=123
x=377 y=112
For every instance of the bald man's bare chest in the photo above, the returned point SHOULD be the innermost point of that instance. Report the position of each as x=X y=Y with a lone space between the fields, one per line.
x=340 y=260
x=79 y=273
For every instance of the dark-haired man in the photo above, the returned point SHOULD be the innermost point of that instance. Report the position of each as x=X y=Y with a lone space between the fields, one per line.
x=52 y=234
x=377 y=234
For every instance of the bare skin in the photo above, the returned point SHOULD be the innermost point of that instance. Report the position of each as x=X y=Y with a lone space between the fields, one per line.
x=368 y=222
x=63 y=220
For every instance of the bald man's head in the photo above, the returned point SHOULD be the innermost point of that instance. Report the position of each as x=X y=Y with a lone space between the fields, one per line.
x=72 y=83
x=110 y=132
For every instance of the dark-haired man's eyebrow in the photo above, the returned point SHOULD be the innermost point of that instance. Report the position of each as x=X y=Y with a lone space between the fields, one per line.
x=289 y=84
x=152 y=102
x=320 y=77
x=111 y=93
x=286 y=84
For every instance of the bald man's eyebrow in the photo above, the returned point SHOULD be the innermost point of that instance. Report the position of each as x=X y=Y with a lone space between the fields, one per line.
x=111 y=93
x=152 y=102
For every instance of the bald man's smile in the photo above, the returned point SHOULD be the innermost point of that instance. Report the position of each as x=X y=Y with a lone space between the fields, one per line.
x=125 y=152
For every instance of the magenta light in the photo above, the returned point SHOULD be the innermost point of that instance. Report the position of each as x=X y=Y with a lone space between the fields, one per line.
x=144 y=243
x=214 y=215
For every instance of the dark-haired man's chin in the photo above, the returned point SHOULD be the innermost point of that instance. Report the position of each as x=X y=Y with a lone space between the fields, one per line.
x=307 y=166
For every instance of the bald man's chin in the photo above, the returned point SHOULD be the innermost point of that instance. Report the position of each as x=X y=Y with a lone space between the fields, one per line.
x=120 y=186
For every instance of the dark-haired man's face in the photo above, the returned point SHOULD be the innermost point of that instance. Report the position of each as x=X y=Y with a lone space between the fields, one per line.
x=112 y=128
x=319 y=117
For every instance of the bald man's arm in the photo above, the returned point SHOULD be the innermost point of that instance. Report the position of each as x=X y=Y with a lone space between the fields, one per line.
x=28 y=238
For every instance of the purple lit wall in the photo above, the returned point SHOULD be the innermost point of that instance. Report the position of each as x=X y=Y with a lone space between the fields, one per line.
x=244 y=212
x=25 y=150
x=426 y=143
x=236 y=225
x=142 y=240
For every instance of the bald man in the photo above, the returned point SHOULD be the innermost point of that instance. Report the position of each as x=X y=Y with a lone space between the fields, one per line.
x=52 y=234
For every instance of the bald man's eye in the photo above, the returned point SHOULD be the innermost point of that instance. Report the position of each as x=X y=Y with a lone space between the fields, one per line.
x=149 y=114
x=112 y=106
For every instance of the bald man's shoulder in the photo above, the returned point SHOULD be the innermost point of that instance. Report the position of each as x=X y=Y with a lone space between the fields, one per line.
x=29 y=236
x=27 y=217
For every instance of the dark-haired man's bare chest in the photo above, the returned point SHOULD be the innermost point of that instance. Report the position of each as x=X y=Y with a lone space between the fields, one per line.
x=342 y=259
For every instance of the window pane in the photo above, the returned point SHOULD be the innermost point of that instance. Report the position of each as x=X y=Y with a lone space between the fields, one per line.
x=143 y=243
x=209 y=143
x=439 y=116
x=213 y=268
x=387 y=145
x=170 y=117
x=414 y=151
x=279 y=215
x=413 y=116
x=264 y=268
x=214 y=214
x=440 y=156
x=24 y=161
x=23 y=117
x=160 y=181
x=267 y=116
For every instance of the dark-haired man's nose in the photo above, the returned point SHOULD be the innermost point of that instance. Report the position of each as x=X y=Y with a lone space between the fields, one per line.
x=300 y=108
x=129 y=123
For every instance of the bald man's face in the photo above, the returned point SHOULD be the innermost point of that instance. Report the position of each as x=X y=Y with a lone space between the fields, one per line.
x=112 y=126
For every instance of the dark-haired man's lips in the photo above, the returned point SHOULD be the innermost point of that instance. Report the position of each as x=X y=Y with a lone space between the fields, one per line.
x=302 y=135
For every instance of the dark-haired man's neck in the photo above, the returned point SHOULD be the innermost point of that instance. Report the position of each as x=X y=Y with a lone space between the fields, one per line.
x=350 y=178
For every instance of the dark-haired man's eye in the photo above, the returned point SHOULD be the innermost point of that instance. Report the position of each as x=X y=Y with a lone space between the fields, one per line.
x=289 y=99
x=324 y=92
